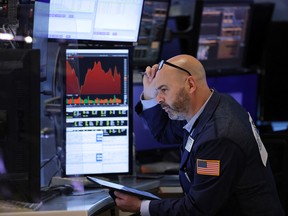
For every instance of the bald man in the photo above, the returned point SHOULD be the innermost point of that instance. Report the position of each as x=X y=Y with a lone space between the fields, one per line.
x=224 y=167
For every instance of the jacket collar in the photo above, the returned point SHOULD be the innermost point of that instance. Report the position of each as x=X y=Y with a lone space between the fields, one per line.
x=207 y=112
x=201 y=122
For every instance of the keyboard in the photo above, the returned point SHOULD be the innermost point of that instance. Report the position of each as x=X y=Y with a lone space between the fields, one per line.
x=17 y=206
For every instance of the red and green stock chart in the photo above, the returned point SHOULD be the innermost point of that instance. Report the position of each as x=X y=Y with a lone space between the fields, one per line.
x=97 y=111
x=94 y=80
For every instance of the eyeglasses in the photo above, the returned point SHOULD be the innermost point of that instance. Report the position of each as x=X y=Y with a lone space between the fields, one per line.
x=162 y=62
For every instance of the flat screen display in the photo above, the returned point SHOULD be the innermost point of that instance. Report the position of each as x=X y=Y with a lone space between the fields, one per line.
x=152 y=32
x=95 y=20
x=98 y=118
x=20 y=125
x=222 y=36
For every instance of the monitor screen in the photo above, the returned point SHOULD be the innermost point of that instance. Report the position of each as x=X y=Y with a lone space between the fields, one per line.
x=20 y=125
x=221 y=34
x=274 y=106
x=152 y=31
x=98 y=111
x=246 y=95
x=93 y=20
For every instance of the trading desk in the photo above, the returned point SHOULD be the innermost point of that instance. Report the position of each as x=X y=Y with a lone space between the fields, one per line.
x=86 y=203
x=89 y=202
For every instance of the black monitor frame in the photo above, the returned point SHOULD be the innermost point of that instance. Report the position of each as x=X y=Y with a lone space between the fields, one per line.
x=149 y=36
x=222 y=66
x=74 y=36
x=20 y=124
x=130 y=113
x=274 y=106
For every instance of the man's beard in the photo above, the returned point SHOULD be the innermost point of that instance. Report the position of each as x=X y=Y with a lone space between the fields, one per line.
x=178 y=109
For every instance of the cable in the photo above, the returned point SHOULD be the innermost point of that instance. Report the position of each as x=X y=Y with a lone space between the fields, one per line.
x=48 y=161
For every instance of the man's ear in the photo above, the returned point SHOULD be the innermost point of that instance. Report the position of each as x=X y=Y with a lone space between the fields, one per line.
x=192 y=83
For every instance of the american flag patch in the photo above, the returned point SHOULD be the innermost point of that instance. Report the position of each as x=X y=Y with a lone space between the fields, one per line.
x=208 y=167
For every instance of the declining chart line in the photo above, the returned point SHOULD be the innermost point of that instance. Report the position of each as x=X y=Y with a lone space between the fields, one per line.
x=97 y=82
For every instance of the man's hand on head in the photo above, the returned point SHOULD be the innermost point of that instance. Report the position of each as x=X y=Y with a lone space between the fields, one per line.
x=149 y=90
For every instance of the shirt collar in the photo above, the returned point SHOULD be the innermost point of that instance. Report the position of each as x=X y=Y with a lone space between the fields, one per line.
x=190 y=124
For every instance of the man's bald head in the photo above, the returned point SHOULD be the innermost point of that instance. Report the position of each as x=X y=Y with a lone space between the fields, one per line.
x=191 y=64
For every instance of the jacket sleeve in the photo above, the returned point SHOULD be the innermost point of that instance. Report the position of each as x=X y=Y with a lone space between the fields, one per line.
x=163 y=129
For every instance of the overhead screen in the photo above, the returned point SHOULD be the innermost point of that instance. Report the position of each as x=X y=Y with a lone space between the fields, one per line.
x=98 y=115
x=152 y=32
x=221 y=34
x=95 y=20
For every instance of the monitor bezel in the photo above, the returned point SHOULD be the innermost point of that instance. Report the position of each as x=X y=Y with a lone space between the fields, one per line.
x=195 y=35
x=25 y=63
x=130 y=107
x=95 y=41
x=139 y=64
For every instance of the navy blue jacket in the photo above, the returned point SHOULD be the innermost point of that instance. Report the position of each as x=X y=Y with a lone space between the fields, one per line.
x=223 y=134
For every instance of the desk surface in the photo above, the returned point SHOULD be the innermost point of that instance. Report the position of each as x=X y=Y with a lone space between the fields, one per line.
x=96 y=200
x=88 y=202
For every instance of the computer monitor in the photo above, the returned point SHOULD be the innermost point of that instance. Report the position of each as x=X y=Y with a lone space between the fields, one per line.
x=261 y=18
x=92 y=20
x=247 y=95
x=20 y=125
x=274 y=106
x=40 y=33
x=98 y=111
x=152 y=32
x=220 y=33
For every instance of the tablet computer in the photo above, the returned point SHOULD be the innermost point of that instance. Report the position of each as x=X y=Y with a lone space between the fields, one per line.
x=113 y=187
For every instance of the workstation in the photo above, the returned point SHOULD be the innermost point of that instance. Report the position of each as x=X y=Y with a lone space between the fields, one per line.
x=74 y=69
